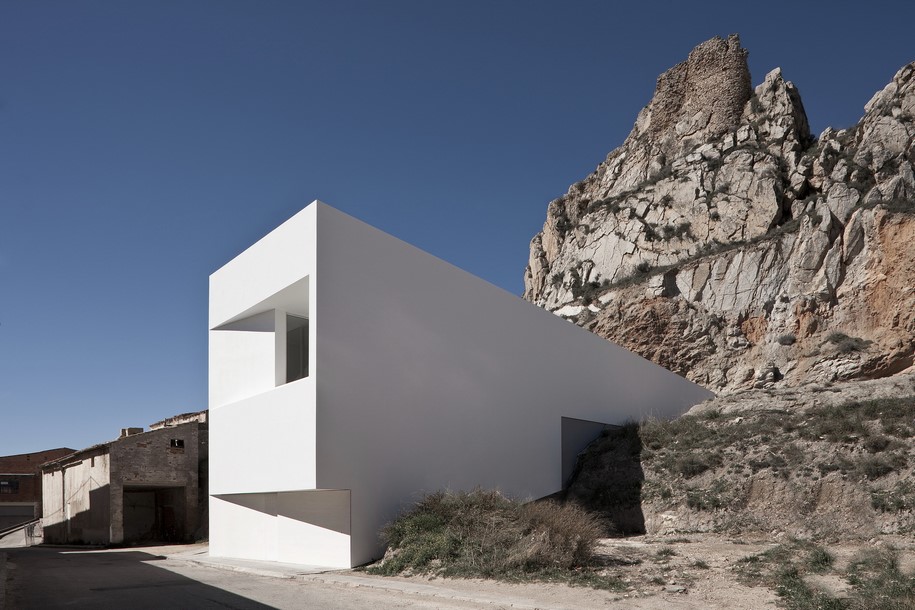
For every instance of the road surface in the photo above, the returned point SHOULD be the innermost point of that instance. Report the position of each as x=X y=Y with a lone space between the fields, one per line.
x=43 y=578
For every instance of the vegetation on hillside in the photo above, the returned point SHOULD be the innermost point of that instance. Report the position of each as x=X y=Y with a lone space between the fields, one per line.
x=873 y=577
x=708 y=462
x=483 y=534
x=700 y=465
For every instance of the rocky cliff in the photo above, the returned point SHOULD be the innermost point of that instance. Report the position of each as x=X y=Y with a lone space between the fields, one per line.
x=725 y=242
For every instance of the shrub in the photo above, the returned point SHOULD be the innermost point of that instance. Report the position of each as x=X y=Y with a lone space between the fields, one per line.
x=713 y=498
x=484 y=534
x=900 y=497
x=876 y=444
x=665 y=553
x=559 y=535
x=842 y=423
x=846 y=344
x=896 y=429
x=769 y=460
x=677 y=231
x=874 y=467
x=791 y=586
x=690 y=465
x=876 y=577
x=787 y=340
x=819 y=560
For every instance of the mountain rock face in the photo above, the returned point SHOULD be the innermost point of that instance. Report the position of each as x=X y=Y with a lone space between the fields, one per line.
x=724 y=242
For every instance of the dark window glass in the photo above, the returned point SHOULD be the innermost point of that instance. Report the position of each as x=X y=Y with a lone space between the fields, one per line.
x=296 y=348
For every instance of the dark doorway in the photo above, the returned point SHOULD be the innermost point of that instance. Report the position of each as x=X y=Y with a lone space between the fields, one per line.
x=577 y=435
x=608 y=479
x=155 y=514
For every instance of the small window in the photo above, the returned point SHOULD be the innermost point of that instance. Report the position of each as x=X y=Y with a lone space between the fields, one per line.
x=296 y=348
x=178 y=443
x=9 y=487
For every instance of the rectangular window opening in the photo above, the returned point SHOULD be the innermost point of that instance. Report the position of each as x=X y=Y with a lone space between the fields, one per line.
x=296 y=348
x=177 y=443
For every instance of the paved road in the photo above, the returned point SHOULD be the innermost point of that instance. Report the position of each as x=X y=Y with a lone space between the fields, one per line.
x=67 y=578
x=137 y=579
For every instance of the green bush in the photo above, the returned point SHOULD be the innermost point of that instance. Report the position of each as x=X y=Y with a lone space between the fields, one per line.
x=484 y=534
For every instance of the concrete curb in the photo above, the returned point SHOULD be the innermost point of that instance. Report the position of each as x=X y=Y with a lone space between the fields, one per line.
x=269 y=569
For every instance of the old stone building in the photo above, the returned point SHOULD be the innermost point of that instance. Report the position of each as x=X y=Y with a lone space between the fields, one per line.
x=20 y=485
x=144 y=486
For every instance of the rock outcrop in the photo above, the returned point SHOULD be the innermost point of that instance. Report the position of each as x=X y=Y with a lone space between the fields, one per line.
x=726 y=243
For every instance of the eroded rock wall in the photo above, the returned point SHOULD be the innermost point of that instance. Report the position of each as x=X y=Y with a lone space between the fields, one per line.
x=724 y=242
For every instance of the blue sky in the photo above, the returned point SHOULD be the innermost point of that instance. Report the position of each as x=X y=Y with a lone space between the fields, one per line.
x=144 y=144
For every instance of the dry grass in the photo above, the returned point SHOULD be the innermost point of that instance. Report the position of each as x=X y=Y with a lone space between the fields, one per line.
x=874 y=577
x=484 y=534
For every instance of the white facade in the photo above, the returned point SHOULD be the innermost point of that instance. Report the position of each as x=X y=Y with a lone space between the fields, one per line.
x=420 y=377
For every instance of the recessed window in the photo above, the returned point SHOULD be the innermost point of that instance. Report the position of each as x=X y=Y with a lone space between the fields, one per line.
x=177 y=443
x=9 y=487
x=296 y=348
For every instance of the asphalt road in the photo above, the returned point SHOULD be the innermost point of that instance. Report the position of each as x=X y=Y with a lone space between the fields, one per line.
x=47 y=578
x=68 y=578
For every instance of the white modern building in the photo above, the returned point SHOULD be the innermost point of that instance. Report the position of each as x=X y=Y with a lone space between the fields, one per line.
x=350 y=372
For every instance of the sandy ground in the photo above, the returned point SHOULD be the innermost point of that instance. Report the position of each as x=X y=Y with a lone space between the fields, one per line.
x=657 y=581
x=691 y=571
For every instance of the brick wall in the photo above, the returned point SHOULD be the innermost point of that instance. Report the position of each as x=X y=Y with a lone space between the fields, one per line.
x=23 y=472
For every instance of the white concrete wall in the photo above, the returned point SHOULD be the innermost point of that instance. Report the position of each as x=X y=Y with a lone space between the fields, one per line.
x=313 y=528
x=266 y=268
x=243 y=359
x=248 y=531
x=265 y=443
x=422 y=377
x=429 y=377
x=304 y=527
x=262 y=430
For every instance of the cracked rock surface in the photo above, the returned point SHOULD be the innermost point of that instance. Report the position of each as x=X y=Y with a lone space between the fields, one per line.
x=725 y=242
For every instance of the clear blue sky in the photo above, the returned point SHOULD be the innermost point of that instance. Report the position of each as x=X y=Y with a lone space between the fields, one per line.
x=144 y=144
